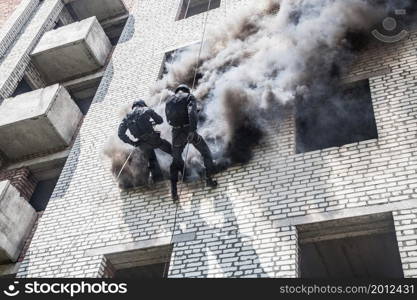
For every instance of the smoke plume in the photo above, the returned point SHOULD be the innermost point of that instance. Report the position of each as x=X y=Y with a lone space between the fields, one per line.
x=263 y=58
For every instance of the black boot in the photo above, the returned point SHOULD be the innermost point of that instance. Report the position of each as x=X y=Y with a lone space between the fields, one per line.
x=155 y=168
x=157 y=177
x=186 y=176
x=211 y=182
x=174 y=192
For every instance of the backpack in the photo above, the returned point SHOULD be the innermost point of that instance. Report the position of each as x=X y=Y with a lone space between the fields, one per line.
x=138 y=122
x=176 y=110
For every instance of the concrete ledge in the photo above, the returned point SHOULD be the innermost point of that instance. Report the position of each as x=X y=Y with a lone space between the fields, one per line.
x=16 y=221
x=44 y=120
x=114 y=27
x=346 y=213
x=84 y=87
x=102 y=9
x=72 y=51
x=45 y=167
x=9 y=270
x=381 y=223
x=114 y=21
x=178 y=238
x=366 y=75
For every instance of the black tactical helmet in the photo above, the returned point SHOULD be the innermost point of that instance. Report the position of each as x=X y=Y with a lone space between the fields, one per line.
x=183 y=87
x=139 y=103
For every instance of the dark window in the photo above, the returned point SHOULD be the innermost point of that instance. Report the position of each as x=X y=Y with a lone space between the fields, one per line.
x=83 y=92
x=360 y=247
x=114 y=29
x=170 y=57
x=42 y=194
x=142 y=272
x=22 y=88
x=346 y=117
x=148 y=263
x=84 y=105
x=58 y=24
x=190 y=8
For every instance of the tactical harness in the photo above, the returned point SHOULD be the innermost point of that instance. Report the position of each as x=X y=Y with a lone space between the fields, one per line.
x=176 y=111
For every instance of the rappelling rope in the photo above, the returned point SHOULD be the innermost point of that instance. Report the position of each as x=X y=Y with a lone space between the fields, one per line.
x=188 y=142
x=201 y=45
x=124 y=165
x=175 y=218
x=87 y=224
x=131 y=152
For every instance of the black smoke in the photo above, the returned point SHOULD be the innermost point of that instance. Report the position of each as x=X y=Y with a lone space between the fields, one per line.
x=267 y=56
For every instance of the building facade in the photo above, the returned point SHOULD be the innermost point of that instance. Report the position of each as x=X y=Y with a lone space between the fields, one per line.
x=287 y=213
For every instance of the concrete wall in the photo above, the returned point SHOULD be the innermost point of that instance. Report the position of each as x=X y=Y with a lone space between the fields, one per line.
x=71 y=51
x=18 y=37
x=24 y=28
x=247 y=227
x=16 y=221
x=38 y=122
x=102 y=9
x=27 y=21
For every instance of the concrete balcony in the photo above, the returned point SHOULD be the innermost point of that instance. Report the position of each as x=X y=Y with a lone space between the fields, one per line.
x=16 y=221
x=102 y=9
x=71 y=51
x=41 y=121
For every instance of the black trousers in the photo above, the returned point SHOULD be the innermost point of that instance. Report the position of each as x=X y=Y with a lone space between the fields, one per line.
x=179 y=141
x=148 y=145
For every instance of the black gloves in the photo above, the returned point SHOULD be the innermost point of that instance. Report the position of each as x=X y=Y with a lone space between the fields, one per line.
x=137 y=143
x=191 y=136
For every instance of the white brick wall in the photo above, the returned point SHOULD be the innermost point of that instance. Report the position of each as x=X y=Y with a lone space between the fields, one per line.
x=406 y=228
x=246 y=226
x=10 y=30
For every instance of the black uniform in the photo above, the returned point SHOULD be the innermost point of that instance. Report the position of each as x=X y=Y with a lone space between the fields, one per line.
x=181 y=111
x=140 y=126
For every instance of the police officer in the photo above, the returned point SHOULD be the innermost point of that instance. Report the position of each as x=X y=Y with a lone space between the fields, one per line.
x=139 y=123
x=181 y=112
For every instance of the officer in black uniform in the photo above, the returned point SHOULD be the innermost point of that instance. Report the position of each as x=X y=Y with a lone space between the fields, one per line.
x=139 y=123
x=181 y=112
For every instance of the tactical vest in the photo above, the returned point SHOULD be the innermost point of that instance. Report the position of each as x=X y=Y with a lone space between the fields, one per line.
x=176 y=110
